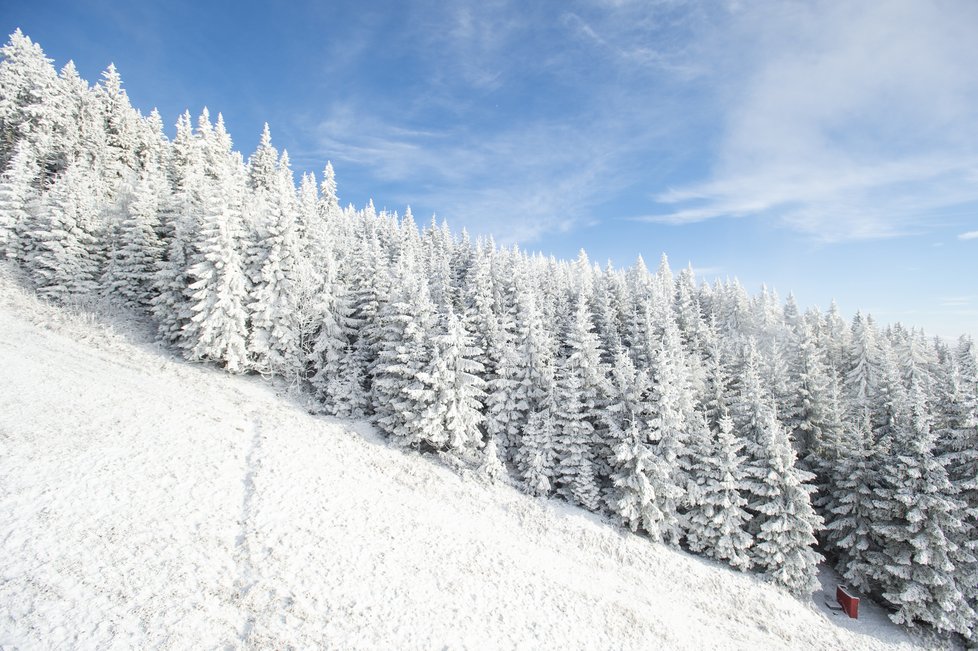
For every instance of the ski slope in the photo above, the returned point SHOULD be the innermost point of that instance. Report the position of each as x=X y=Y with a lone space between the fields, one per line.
x=146 y=502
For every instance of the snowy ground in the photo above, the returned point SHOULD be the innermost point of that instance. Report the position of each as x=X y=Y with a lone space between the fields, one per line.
x=145 y=502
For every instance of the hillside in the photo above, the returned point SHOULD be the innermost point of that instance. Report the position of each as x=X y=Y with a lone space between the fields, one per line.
x=743 y=428
x=145 y=502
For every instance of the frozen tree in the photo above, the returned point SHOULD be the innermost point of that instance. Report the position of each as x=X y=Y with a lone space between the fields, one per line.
x=479 y=313
x=217 y=288
x=717 y=520
x=631 y=495
x=536 y=457
x=668 y=431
x=79 y=131
x=453 y=413
x=783 y=521
x=119 y=122
x=401 y=399
x=61 y=259
x=28 y=87
x=140 y=252
x=506 y=404
x=273 y=341
x=918 y=521
x=862 y=366
x=491 y=465
x=638 y=474
x=644 y=493
x=529 y=370
x=18 y=199
x=330 y=312
x=263 y=164
x=181 y=214
x=579 y=386
x=816 y=407
x=851 y=506
x=889 y=402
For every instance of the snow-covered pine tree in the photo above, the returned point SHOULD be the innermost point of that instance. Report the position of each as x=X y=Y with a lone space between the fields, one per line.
x=219 y=189
x=637 y=472
x=506 y=407
x=217 y=287
x=579 y=393
x=716 y=520
x=779 y=355
x=532 y=370
x=918 y=522
x=139 y=252
x=636 y=468
x=329 y=311
x=371 y=285
x=60 y=258
x=28 y=86
x=689 y=316
x=119 y=122
x=314 y=257
x=453 y=414
x=479 y=315
x=958 y=438
x=273 y=341
x=717 y=389
x=180 y=217
x=889 y=403
x=851 y=509
x=816 y=410
x=668 y=431
x=861 y=366
x=836 y=339
x=438 y=247
x=783 y=521
x=399 y=396
x=18 y=202
x=536 y=458
x=608 y=321
x=530 y=412
x=79 y=132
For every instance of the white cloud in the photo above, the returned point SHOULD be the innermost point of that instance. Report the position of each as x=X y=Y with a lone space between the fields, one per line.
x=517 y=183
x=518 y=173
x=970 y=235
x=839 y=120
x=956 y=301
x=844 y=120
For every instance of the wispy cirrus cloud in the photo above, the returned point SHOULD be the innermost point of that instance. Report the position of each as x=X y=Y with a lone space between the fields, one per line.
x=517 y=183
x=956 y=301
x=969 y=235
x=843 y=121
x=495 y=133
x=837 y=120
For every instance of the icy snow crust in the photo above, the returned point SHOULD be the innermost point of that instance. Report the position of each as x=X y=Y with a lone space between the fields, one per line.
x=145 y=502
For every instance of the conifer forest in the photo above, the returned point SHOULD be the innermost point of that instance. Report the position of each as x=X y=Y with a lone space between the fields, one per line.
x=736 y=426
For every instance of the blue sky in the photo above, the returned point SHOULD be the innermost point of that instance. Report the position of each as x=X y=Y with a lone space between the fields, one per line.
x=825 y=148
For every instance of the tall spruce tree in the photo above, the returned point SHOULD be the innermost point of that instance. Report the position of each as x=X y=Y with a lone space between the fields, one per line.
x=18 y=202
x=717 y=519
x=61 y=245
x=579 y=387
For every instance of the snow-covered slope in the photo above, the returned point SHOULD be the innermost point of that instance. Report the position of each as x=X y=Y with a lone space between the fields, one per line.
x=146 y=503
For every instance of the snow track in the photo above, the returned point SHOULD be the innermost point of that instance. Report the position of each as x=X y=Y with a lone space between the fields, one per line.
x=145 y=503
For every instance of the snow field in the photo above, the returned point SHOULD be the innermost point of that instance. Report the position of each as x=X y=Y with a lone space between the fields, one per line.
x=149 y=503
